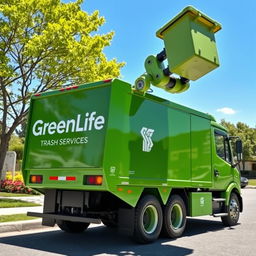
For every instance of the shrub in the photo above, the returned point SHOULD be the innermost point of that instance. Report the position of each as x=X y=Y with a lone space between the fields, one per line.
x=16 y=144
x=18 y=149
x=16 y=185
x=18 y=176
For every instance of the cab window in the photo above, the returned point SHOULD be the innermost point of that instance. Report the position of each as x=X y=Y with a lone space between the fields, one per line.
x=222 y=146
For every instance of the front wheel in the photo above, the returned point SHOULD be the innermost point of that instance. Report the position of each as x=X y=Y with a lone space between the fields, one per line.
x=148 y=220
x=233 y=211
x=72 y=227
x=174 y=217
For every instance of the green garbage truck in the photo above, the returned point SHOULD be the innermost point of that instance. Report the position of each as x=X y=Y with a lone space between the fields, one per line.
x=112 y=152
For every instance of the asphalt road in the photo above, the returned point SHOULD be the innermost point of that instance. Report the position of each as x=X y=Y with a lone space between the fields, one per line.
x=203 y=236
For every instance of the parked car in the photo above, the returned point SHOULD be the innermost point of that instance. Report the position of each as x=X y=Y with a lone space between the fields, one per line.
x=244 y=182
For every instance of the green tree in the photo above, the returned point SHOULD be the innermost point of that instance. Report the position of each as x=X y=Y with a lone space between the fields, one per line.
x=16 y=144
x=43 y=45
x=21 y=130
x=246 y=134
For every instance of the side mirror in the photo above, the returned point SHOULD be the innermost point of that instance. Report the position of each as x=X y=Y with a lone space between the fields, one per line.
x=239 y=150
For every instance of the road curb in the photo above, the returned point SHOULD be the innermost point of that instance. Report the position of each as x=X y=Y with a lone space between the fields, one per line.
x=250 y=187
x=21 y=225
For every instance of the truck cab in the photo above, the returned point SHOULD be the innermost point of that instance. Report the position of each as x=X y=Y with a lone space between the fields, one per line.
x=224 y=166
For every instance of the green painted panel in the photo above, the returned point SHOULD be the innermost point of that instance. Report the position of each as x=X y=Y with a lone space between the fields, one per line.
x=201 y=151
x=200 y=203
x=129 y=194
x=204 y=43
x=148 y=144
x=178 y=43
x=179 y=169
x=116 y=152
x=67 y=130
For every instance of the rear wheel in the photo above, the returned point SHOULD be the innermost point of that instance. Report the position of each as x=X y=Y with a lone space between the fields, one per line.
x=72 y=227
x=148 y=220
x=174 y=217
x=233 y=211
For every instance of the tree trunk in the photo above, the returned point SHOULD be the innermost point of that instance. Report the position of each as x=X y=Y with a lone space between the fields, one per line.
x=4 y=143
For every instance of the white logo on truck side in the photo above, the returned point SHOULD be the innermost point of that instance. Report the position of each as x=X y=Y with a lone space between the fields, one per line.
x=147 y=141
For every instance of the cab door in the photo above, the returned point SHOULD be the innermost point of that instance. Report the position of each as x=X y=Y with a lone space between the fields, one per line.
x=222 y=160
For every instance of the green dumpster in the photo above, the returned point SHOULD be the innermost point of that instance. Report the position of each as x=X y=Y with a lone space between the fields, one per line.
x=190 y=43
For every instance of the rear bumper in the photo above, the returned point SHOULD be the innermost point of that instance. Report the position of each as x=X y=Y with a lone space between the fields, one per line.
x=53 y=217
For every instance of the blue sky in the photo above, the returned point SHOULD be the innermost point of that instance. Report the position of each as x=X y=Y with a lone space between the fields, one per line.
x=228 y=92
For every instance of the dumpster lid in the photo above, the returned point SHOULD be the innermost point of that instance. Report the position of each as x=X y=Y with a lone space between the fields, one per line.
x=201 y=17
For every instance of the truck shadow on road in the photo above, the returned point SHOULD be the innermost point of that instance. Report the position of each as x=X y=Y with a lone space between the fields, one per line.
x=200 y=226
x=102 y=240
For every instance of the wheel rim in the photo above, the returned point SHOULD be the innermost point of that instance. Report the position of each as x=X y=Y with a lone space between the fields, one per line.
x=176 y=216
x=234 y=209
x=150 y=219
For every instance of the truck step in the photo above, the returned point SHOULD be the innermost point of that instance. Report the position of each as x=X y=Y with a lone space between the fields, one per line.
x=220 y=214
x=219 y=199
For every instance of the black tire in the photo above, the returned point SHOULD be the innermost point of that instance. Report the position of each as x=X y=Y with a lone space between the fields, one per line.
x=233 y=211
x=72 y=227
x=175 y=220
x=148 y=220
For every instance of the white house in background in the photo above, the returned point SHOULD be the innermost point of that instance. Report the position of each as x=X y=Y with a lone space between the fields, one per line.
x=250 y=165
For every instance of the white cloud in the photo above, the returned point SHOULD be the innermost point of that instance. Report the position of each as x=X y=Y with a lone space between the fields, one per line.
x=227 y=111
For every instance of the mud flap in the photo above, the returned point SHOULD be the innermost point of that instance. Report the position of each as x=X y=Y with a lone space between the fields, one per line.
x=49 y=207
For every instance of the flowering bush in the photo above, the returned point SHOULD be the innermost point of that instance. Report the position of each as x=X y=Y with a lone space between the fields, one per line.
x=18 y=176
x=16 y=184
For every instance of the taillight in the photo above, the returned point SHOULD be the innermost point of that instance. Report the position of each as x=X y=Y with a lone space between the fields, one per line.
x=93 y=180
x=38 y=179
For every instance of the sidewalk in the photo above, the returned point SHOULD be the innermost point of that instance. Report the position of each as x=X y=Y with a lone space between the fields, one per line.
x=18 y=210
x=32 y=199
x=250 y=187
x=25 y=224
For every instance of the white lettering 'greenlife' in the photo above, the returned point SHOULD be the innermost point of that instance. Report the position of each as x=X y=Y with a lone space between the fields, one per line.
x=87 y=122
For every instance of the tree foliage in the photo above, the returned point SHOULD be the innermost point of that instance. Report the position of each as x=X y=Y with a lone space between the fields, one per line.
x=247 y=135
x=16 y=144
x=45 y=44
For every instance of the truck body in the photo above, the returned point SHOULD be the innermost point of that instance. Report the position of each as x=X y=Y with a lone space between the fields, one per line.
x=104 y=152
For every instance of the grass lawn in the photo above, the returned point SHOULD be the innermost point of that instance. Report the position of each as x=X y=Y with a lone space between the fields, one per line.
x=5 y=194
x=7 y=203
x=15 y=217
x=252 y=182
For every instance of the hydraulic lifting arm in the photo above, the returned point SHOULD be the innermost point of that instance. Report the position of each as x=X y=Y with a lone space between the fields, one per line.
x=190 y=50
x=160 y=76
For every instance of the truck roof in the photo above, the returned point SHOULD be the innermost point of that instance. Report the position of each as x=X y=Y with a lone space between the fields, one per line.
x=147 y=95
x=180 y=107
